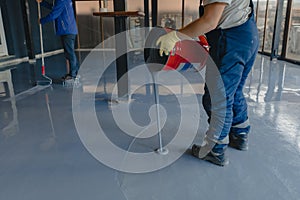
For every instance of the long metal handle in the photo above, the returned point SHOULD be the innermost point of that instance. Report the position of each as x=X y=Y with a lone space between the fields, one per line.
x=156 y=96
x=41 y=38
x=161 y=150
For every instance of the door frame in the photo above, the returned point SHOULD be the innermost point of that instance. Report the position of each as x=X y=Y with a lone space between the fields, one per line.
x=3 y=45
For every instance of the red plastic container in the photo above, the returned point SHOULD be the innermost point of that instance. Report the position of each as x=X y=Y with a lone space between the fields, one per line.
x=186 y=54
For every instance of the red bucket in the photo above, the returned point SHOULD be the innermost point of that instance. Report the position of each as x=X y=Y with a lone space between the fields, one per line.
x=186 y=54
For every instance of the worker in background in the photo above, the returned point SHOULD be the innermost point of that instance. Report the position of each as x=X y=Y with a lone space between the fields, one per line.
x=65 y=25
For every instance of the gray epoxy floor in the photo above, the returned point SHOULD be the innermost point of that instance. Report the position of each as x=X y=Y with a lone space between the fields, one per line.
x=42 y=156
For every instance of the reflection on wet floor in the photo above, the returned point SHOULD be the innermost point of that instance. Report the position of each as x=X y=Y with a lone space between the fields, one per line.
x=9 y=120
x=273 y=81
x=42 y=156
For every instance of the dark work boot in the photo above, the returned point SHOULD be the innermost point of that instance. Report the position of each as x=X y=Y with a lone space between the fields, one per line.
x=218 y=159
x=238 y=141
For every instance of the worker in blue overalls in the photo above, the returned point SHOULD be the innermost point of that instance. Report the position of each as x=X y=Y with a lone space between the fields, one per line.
x=233 y=38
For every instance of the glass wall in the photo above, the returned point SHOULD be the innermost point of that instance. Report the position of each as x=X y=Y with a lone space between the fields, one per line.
x=269 y=26
x=3 y=47
x=170 y=15
x=282 y=27
x=136 y=36
x=91 y=28
x=94 y=29
x=135 y=5
x=261 y=16
x=191 y=11
x=293 y=48
x=266 y=18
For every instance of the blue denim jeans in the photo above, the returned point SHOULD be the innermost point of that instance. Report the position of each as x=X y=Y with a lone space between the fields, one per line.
x=68 y=42
x=233 y=50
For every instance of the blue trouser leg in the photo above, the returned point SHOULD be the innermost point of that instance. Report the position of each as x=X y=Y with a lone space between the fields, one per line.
x=233 y=51
x=240 y=123
x=68 y=42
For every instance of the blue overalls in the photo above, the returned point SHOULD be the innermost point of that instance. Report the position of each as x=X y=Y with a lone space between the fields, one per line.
x=234 y=51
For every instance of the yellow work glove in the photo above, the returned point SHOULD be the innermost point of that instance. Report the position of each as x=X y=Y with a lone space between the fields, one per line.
x=167 y=42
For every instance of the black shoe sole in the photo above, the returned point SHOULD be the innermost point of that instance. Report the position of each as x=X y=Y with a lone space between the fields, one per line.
x=216 y=161
x=209 y=157
x=244 y=148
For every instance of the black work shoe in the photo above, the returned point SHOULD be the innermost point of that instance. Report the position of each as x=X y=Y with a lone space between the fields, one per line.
x=67 y=77
x=63 y=77
x=239 y=141
x=217 y=159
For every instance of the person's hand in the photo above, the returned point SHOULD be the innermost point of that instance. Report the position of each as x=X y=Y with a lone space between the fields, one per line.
x=39 y=1
x=167 y=42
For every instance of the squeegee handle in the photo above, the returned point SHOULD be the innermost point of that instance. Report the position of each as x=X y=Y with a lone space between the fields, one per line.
x=41 y=35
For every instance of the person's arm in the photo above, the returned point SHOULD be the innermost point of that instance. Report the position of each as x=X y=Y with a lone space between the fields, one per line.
x=55 y=12
x=209 y=21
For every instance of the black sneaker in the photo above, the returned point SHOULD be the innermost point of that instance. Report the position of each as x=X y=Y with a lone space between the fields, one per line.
x=218 y=159
x=239 y=141
x=67 y=77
